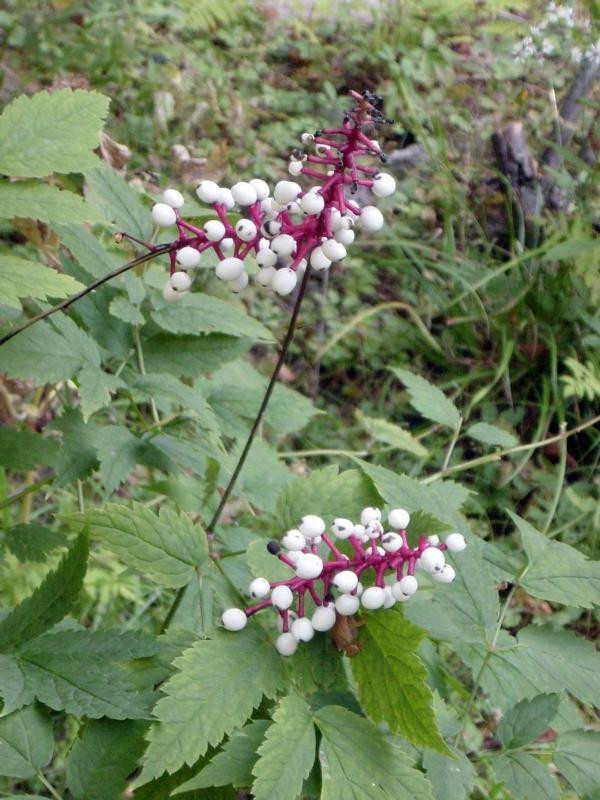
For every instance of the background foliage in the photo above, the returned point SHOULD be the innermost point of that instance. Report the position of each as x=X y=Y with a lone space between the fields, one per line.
x=439 y=369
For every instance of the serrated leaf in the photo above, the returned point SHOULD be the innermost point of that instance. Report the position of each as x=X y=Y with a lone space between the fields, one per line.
x=491 y=434
x=576 y=756
x=527 y=720
x=452 y=777
x=262 y=460
x=327 y=493
x=168 y=391
x=201 y=313
x=104 y=754
x=358 y=763
x=78 y=453
x=24 y=450
x=526 y=777
x=33 y=542
x=49 y=204
x=263 y=564
x=39 y=353
x=95 y=389
x=21 y=278
x=50 y=602
x=556 y=571
x=166 y=547
x=26 y=742
x=87 y=250
x=192 y=356
x=51 y=132
x=424 y=524
x=121 y=308
x=290 y=740
x=392 y=680
x=218 y=683
x=428 y=400
x=539 y=659
x=318 y=667
x=233 y=764
x=80 y=342
x=110 y=193
x=119 y=451
x=389 y=433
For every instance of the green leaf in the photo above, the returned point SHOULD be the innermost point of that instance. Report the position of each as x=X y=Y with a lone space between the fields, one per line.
x=166 y=547
x=358 y=762
x=104 y=754
x=23 y=450
x=327 y=493
x=201 y=313
x=218 y=683
x=46 y=203
x=121 y=308
x=119 y=451
x=110 y=193
x=556 y=571
x=26 y=742
x=263 y=564
x=428 y=400
x=571 y=248
x=490 y=434
x=192 y=356
x=41 y=354
x=233 y=764
x=80 y=342
x=21 y=278
x=392 y=680
x=290 y=741
x=389 y=433
x=168 y=391
x=87 y=250
x=78 y=453
x=576 y=756
x=51 y=132
x=424 y=524
x=452 y=778
x=33 y=542
x=50 y=602
x=527 y=720
x=540 y=659
x=262 y=460
x=525 y=777
x=83 y=673
x=96 y=388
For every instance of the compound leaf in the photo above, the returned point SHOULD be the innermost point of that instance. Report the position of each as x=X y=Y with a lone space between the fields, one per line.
x=527 y=720
x=21 y=278
x=26 y=742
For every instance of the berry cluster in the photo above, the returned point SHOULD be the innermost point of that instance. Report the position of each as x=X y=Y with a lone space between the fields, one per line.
x=293 y=225
x=342 y=593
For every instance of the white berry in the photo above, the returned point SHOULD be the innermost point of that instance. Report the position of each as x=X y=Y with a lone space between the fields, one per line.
x=324 y=618
x=373 y=597
x=398 y=593
x=170 y=294
x=265 y=276
x=432 y=560
x=208 y=192
x=302 y=629
x=286 y=191
x=225 y=198
x=227 y=244
x=367 y=514
x=399 y=519
x=374 y=529
x=260 y=187
x=390 y=600
x=163 y=215
x=283 y=245
x=383 y=184
x=345 y=581
x=455 y=542
x=286 y=644
x=309 y=566
x=392 y=542
x=291 y=618
x=344 y=235
x=347 y=604
x=312 y=203
x=188 y=257
x=234 y=619
x=284 y=281
x=282 y=597
x=371 y=219
x=445 y=575
x=266 y=258
x=229 y=269
x=311 y=526
x=307 y=138
x=319 y=260
x=293 y=540
x=239 y=284
x=342 y=528
x=259 y=588
x=295 y=168
x=214 y=230
x=173 y=198
x=245 y=229
x=244 y=193
x=180 y=281
x=408 y=584
x=433 y=539
x=333 y=250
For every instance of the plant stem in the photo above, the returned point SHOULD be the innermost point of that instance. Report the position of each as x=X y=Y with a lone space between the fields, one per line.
x=14 y=498
x=289 y=335
x=48 y=786
x=142 y=368
x=159 y=251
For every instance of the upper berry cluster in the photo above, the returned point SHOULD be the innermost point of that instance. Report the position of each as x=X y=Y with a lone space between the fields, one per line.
x=292 y=226
x=341 y=591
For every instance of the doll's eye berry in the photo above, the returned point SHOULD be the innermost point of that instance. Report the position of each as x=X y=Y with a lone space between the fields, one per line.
x=297 y=225
x=327 y=580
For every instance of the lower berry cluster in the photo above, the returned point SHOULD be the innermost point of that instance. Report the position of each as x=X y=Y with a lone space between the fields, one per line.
x=334 y=583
